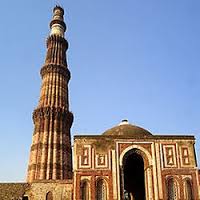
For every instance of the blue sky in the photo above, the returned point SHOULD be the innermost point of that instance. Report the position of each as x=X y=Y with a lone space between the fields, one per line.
x=133 y=59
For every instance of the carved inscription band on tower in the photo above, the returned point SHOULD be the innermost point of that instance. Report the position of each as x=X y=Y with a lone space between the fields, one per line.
x=51 y=154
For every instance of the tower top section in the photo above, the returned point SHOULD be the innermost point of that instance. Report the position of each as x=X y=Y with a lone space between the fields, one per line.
x=57 y=24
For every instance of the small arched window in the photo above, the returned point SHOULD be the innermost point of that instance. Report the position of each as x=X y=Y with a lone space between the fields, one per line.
x=188 y=190
x=84 y=195
x=172 y=189
x=101 y=190
x=49 y=196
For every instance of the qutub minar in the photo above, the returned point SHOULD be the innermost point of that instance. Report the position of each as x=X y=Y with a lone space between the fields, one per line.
x=51 y=153
x=125 y=162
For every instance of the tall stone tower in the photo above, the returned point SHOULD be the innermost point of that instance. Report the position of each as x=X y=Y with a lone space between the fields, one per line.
x=51 y=153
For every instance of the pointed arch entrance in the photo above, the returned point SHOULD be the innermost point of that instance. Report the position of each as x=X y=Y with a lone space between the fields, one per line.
x=136 y=174
x=133 y=171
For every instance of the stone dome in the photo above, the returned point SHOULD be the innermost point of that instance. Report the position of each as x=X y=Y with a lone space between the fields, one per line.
x=126 y=129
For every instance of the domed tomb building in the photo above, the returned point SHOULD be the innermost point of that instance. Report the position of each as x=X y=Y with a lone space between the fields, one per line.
x=129 y=162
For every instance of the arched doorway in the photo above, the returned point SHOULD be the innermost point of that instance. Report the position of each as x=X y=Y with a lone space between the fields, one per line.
x=133 y=176
x=49 y=196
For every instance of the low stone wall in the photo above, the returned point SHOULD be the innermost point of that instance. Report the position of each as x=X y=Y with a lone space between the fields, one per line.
x=13 y=191
x=62 y=190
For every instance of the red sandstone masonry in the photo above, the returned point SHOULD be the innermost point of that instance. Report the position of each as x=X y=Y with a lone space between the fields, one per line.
x=50 y=155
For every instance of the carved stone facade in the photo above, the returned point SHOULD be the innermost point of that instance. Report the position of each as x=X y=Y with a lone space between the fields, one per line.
x=165 y=157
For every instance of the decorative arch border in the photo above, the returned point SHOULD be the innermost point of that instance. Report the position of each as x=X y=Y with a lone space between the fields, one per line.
x=141 y=151
x=176 y=178
x=98 y=178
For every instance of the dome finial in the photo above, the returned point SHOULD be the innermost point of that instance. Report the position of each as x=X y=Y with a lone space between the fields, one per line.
x=124 y=122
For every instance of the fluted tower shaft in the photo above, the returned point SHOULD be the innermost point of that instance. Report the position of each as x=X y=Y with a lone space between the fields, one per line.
x=51 y=153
